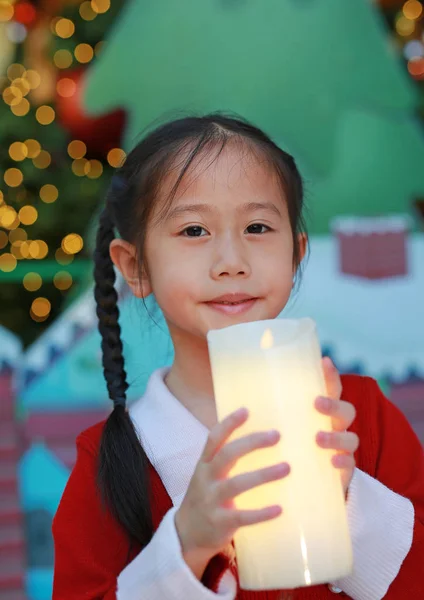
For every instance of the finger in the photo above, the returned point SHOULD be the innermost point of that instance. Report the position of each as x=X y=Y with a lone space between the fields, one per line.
x=343 y=461
x=332 y=378
x=346 y=441
x=229 y=454
x=342 y=413
x=220 y=433
x=240 y=518
x=231 y=488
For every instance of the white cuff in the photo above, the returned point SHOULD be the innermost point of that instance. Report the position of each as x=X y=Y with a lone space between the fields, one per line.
x=160 y=571
x=381 y=524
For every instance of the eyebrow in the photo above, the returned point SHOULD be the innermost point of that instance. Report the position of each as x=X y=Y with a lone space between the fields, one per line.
x=248 y=207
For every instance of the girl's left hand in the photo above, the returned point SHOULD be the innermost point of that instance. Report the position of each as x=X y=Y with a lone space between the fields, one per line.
x=342 y=414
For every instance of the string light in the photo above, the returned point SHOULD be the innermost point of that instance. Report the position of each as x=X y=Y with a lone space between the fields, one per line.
x=13 y=177
x=18 y=151
x=16 y=249
x=12 y=95
x=86 y=11
x=77 y=149
x=84 y=53
x=412 y=9
x=49 y=193
x=32 y=282
x=43 y=160
x=45 y=115
x=28 y=215
x=15 y=70
x=100 y=6
x=18 y=235
x=404 y=26
x=40 y=309
x=22 y=85
x=38 y=249
x=64 y=28
x=80 y=167
x=24 y=249
x=96 y=169
x=62 y=257
x=8 y=216
x=62 y=280
x=8 y=262
x=72 y=243
x=21 y=109
x=63 y=59
x=6 y=11
x=33 y=78
x=116 y=157
x=66 y=87
x=34 y=148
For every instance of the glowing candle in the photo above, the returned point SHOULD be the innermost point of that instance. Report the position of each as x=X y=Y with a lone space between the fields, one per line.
x=274 y=369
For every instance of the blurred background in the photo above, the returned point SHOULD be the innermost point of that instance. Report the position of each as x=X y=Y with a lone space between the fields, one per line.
x=339 y=84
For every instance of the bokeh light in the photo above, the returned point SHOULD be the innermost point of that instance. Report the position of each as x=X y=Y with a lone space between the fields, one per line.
x=404 y=26
x=15 y=70
x=62 y=280
x=45 y=115
x=13 y=177
x=12 y=95
x=96 y=169
x=72 y=243
x=40 y=309
x=21 y=109
x=64 y=28
x=32 y=282
x=84 y=53
x=34 y=148
x=8 y=216
x=18 y=151
x=66 y=87
x=77 y=149
x=8 y=262
x=49 y=193
x=116 y=157
x=86 y=11
x=28 y=215
x=6 y=11
x=43 y=160
x=63 y=59
x=33 y=78
x=80 y=167
x=62 y=257
x=100 y=6
x=4 y=240
x=22 y=85
x=38 y=249
x=18 y=235
x=416 y=67
x=412 y=9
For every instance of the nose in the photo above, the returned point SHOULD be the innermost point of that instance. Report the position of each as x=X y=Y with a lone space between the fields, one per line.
x=230 y=260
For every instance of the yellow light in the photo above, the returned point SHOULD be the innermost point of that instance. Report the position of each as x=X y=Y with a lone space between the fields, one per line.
x=43 y=160
x=77 y=149
x=16 y=249
x=32 y=282
x=404 y=26
x=15 y=70
x=64 y=28
x=18 y=151
x=62 y=257
x=12 y=95
x=28 y=215
x=38 y=249
x=24 y=249
x=116 y=157
x=86 y=11
x=49 y=193
x=18 y=235
x=6 y=11
x=8 y=262
x=62 y=280
x=1 y=198
x=100 y=6
x=66 y=87
x=22 y=85
x=412 y=9
x=33 y=78
x=7 y=216
x=96 y=169
x=53 y=24
x=80 y=167
x=41 y=308
x=72 y=243
x=4 y=240
x=45 y=115
x=21 y=109
x=13 y=177
x=34 y=148
x=84 y=53
x=63 y=59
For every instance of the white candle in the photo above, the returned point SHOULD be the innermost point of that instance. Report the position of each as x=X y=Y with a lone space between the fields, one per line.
x=274 y=369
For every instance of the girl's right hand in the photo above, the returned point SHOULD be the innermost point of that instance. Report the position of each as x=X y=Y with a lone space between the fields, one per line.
x=207 y=518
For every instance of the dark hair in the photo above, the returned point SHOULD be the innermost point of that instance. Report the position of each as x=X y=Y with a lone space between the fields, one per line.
x=123 y=464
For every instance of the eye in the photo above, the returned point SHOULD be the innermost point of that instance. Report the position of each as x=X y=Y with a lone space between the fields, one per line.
x=193 y=231
x=257 y=228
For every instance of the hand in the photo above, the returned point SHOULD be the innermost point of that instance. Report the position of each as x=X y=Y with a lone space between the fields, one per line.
x=342 y=414
x=207 y=518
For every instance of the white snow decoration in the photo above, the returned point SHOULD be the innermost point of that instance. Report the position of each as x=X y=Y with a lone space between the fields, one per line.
x=377 y=324
x=350 y=225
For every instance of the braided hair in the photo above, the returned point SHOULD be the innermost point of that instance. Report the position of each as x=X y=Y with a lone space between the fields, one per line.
x=123 y=474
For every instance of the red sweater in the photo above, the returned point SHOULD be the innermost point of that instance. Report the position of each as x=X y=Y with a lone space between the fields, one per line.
x=91 y=548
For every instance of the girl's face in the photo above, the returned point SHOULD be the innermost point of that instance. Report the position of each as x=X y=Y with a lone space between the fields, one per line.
x=226 y=238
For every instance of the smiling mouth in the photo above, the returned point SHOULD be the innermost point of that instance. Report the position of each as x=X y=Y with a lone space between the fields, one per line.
x=232 y=307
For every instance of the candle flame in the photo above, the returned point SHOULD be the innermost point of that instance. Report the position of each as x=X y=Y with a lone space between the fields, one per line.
x=267 y=340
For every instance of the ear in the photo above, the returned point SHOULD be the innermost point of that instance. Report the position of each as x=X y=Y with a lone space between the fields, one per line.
x=303 y=245
x=124 y=257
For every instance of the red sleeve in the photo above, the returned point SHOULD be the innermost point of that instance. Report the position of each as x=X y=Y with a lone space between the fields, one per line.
x=400 y=466
x=90 y=547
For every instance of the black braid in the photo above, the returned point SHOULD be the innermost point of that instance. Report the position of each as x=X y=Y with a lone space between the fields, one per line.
x=123 y=464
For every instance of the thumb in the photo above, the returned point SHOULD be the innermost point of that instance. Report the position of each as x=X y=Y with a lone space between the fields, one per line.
x=332 y=379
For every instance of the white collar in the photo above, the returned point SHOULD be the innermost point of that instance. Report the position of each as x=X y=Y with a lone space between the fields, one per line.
x=172 y=437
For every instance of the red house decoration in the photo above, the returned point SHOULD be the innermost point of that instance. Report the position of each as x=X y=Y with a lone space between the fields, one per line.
x=372 y=247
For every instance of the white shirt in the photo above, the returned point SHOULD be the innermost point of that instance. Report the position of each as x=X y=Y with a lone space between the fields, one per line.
x=380 y=521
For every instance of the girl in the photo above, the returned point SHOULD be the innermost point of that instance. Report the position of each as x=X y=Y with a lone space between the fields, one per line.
x=209 y=212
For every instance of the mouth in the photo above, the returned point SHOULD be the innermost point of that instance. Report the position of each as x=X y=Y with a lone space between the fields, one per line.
x=233 y=304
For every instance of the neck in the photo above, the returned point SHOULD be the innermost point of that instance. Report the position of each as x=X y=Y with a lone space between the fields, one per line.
x=190 y=379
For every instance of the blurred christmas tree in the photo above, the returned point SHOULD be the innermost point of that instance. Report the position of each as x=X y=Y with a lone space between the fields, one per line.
x=55 y=161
